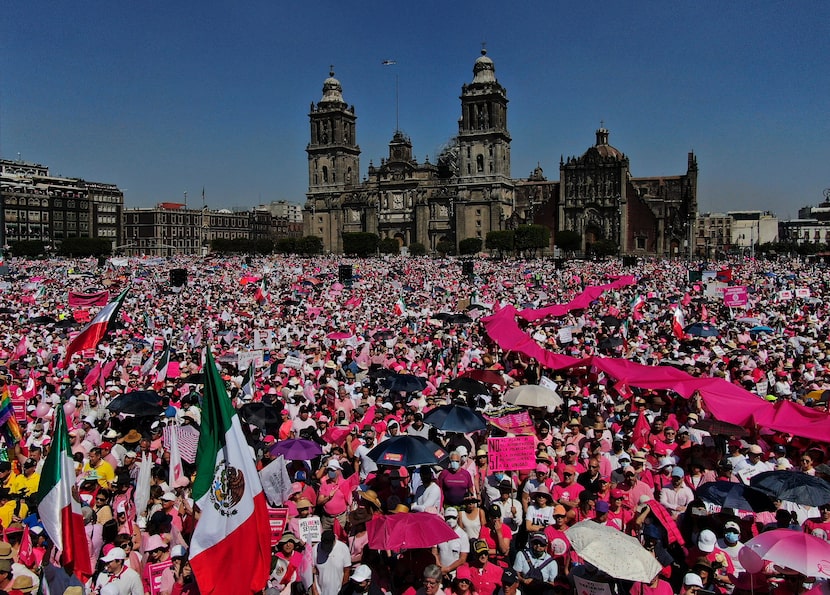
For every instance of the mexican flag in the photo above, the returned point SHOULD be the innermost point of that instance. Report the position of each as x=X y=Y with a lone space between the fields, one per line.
x=60 y=507
x=400 y=307
x=95 y=330
x=162 y=366
x=678 y=323
x=230 y=551
x=261 y=295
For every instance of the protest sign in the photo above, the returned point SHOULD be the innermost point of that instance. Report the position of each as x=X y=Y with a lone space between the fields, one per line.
x=511 y=454
x=586 y=587
x=154 y=572
x=244 y=359
x=735 y=296
x=277 y=520
x=310 y=529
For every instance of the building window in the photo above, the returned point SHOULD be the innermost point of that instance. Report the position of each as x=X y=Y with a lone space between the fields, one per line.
x=641 y=243
x=480 y=163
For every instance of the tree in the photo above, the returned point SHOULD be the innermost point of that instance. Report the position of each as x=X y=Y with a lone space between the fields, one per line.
x=603 y=248
x=417 y=249
x=27 y=248
x=389 y=246
x=502 y=241
x=531 y=238
x=568 y=240
x=445 y=247
x=469 y=246
x=85 y=247
x=309 y=245
x=286 y=246
x=360 y=244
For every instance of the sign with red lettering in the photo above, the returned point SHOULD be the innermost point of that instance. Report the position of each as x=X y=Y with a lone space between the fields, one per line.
x=277 y=519
x=511 y=454
x=154 y=572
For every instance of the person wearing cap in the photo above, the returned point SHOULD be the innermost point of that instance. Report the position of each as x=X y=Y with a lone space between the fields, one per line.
x=331 y=564
x=332 y=498
x=285 y=563
x=6 y=577
x=753 y=464
x=571 y=459
x=11 y=509
x=512 y=511
x=485 y=575
x=360 y=583
x=125 y=579
x=157 y=551
x=677 y=496
x=91 y=433
x=707 y=550
x=731 y=544
x=26 y=483
x=453 y=552
x=536 y=568
x=692 y=584
x=567 y=491
x=539 y=478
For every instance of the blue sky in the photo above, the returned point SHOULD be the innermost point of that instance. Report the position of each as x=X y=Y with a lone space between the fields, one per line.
x=167 y=97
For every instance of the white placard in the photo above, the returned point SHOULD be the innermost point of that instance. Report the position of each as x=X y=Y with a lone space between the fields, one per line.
x=292 y=361
x=244 y=359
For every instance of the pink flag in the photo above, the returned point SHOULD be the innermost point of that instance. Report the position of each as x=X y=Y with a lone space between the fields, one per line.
x=21 y=350
x=92 y=377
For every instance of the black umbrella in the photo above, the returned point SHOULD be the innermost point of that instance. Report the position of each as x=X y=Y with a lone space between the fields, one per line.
x=701 y=329
x=289 y=302
x=384 y=335
x=138 y=402
x=793 y=486
x=42 y=320
x=376 y=371
x=6 y=310
x=260 y=414
x=610 y=342
x=455 y=418
x=468 y=385
x=441 y=315
x=477 y=307
x=610 y=321
x=458 y=319
x=66 y=323
x=407 y=451
x=729 y=494
x=405 y=383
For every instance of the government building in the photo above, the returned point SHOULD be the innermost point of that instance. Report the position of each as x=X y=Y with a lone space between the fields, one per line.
x=469 y=190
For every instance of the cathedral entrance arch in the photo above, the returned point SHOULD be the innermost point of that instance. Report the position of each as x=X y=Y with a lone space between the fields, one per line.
x=401 y=239
x=591 y=236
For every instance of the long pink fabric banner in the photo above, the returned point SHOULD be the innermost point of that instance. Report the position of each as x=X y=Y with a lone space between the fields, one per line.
x=726 y=401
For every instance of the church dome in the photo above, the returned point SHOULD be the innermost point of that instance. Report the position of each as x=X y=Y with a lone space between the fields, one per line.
x=332 y=91
x=484 y=70
x=603 y=148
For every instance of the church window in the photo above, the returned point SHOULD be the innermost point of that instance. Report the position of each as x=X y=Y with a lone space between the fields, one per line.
x=325 y=175
x=641 y=243
x=479 y=163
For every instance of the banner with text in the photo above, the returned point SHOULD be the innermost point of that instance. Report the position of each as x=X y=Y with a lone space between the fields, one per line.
x=511 y=454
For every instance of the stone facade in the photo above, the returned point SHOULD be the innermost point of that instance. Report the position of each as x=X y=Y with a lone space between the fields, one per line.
x=469 y=190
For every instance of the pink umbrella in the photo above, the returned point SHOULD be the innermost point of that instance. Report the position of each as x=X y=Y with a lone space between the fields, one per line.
x=338 y=335
x=407 y=531
x=337 y=287
x=795 y=550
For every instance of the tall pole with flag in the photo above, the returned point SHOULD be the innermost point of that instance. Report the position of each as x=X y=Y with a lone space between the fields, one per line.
x=59 y=505
x=95 y=330
x=233 y=526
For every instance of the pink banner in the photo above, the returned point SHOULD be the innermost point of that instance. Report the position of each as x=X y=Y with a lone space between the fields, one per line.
x=511 y=454
x=513 y=423
x=735 y=296
x=100 y=298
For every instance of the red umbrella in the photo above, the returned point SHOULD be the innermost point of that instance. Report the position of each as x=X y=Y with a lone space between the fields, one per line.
x=407 y=531
x=487 y=376
x=338 y=335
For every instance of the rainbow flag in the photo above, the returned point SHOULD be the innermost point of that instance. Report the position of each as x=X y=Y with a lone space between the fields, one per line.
x=9 y=428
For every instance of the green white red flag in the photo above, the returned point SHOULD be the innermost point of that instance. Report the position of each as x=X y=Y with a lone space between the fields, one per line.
x=60 y=506
x=230 y=551
x=95 y=331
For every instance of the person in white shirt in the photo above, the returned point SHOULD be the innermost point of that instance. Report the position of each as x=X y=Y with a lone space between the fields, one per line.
x=453 y=553
x=677 y=496
x=427 y=494
x=125 y=579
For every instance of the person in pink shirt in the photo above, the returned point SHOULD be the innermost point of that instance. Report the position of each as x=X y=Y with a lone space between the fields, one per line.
x=618 y=515
x=334 y=496
x=567 y=492
x=634 y=488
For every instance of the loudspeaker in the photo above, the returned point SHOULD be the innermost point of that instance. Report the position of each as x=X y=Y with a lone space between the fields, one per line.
x=468 y=268
x=344 y=273
x=248 y=260
x=101 y=262
x=629 y=261
x=178 y=277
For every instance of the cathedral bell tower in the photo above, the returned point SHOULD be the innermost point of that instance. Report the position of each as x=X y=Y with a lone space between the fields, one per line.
x=333 y=153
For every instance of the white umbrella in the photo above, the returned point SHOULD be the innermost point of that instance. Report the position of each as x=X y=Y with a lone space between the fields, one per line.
x=613 y=552
x=533 y=395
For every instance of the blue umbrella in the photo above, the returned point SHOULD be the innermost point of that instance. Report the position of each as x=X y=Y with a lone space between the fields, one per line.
x=455 y=418
x=405 y=383
x=729 y=494
x=761 y=329
x=407 y=451
x=702 y=329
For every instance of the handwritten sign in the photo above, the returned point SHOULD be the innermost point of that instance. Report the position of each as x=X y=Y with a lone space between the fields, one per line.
x=511 y=454
x=586 y=587
x=277 y=520
x=735 y=296
x=154 y=571
x=310 y=529
x=244 y=359
x=292 y=361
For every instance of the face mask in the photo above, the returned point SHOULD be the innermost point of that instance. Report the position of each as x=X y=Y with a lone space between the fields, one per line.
x=452 y=522
x=499 y=477
x=331 y=473
x=731 y=537
x=455 y=465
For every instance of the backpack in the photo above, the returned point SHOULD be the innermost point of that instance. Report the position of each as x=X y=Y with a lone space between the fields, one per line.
x=535 y=572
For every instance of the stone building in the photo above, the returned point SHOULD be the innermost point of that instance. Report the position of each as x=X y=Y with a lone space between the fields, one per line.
x=469 y=190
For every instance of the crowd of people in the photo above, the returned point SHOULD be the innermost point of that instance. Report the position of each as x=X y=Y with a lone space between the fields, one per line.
x=631 y=459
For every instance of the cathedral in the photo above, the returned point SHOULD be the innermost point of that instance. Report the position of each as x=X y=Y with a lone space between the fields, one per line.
x=469 y=191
